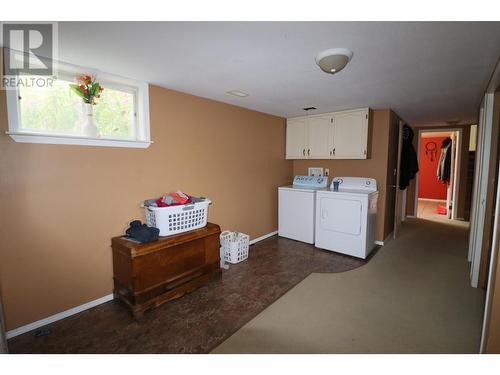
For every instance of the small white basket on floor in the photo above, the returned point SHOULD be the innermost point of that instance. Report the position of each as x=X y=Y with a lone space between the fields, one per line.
x=235 y=246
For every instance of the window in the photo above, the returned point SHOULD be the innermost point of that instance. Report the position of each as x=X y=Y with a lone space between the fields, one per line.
x=55 y=114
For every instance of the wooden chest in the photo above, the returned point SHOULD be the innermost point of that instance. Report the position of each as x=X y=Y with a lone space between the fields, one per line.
x=148 y=275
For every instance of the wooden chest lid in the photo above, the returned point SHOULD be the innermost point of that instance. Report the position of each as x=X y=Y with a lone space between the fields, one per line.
x=135 y=249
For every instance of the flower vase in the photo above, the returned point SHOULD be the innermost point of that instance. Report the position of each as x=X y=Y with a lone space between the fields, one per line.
x=90 y=129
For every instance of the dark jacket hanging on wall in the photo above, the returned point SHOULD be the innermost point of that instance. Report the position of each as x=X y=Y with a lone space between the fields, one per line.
x=444 y=165
x=409 y=161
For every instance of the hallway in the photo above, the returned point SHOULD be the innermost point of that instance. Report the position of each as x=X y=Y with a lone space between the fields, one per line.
x=412 y=297
x=427 y=210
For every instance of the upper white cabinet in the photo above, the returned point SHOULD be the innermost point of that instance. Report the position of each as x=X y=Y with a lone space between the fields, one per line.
x=337 y=135
x=296 y=138
x=319 y=145
x=350 y=134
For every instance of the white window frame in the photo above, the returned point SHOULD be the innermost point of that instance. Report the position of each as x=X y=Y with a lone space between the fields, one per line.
x=141 y=131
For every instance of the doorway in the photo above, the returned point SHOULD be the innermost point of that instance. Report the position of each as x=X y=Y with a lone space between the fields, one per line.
x=437 y=186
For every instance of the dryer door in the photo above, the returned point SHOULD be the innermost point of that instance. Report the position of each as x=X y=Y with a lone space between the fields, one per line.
x=341 y=215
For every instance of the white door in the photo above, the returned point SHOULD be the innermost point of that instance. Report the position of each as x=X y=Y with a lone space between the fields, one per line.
x=481 y=178
x=350 y=133
x=296 y=138
x=319 y=133
x=452 y=193
x=458 y=137
x=477 y=178
x=449 y=191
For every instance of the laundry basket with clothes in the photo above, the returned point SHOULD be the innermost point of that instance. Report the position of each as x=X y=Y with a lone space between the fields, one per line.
x=176 y=212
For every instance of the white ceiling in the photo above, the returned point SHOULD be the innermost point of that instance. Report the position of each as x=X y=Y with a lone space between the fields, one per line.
x=426 y=72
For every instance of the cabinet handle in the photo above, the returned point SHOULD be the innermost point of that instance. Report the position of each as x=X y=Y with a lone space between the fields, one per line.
x=365 y=152
x=333 y=151
x=330 y=152
x=303 y=152
x=308 y=151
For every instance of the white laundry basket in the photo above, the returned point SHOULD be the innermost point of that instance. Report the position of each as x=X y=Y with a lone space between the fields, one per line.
x=178 y=219
x=235 y=246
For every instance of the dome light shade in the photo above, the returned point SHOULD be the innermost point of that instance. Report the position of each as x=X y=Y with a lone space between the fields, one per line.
x=333 y=60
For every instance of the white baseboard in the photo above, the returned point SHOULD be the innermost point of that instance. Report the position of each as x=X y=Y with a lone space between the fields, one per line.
x=389 y=238
x=51 y=319
x=385 y=241
x=75 y=310
x=261 y=238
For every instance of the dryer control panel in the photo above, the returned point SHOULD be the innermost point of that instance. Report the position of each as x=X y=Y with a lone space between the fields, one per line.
x=356 y=183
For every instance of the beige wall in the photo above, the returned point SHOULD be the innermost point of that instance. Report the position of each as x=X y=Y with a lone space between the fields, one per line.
x=381 y=152
x=61 y=204
x=410 y=200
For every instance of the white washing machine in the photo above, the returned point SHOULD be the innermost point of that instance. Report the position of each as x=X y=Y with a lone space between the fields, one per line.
x=296 y=207
x=346 y=219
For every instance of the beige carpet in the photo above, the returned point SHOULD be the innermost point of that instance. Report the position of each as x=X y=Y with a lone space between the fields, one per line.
x=412 y=297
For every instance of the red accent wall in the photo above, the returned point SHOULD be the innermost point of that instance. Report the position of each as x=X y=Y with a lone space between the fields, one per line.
x=428 y=184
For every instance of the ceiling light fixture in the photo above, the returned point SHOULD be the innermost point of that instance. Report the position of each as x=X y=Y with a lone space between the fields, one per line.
x=333 y=60
x=240 y=94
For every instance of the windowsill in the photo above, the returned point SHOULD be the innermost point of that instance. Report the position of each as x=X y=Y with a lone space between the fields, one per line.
x=24 y=137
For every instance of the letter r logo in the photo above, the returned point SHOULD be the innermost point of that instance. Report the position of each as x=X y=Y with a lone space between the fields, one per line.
x=30 y=48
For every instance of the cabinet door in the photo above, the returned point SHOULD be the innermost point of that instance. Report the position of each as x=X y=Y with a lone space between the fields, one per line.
x=296 y=138
x=350 y=132
x=331 y=142
x=319 y=137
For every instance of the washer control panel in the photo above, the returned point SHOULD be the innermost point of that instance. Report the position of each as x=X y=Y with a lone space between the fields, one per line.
x=311 y=181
